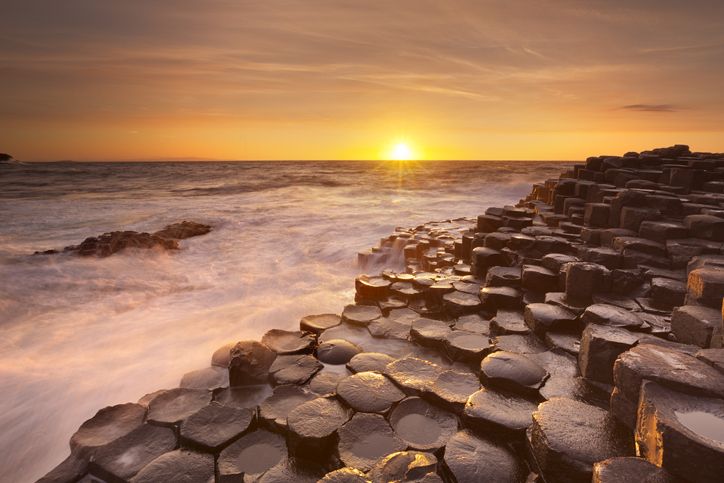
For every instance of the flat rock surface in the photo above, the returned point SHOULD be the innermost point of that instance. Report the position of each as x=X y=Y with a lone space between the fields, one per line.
x=369 y=392
x=108 y=425
x=288 y=342
x=361 y=314
x=214 y=426
x=487 y=408
x=627 y=469
x=366 y=438
x=413 y=373
x=452 y=388
x=337 y=351
x=276 y=407
x=180 y=466
x=294 y=369
x=318 y=323
x=421 y=425
x=471 y=458
x=175 y=405
x=369 y=361
x=512 y=371
x=251 y=455
x=318 y=418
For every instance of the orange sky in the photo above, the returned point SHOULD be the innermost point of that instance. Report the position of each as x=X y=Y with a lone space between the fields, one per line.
x=346 y=79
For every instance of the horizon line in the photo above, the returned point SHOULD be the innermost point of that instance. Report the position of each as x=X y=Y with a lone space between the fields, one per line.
x=213 y=160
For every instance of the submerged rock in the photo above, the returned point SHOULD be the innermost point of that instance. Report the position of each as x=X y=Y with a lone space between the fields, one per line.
x=108 y=244
x=183 y=230
x=251 y=456
x=421 y=425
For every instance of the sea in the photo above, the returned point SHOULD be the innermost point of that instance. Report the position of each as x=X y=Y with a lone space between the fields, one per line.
x=78 y=334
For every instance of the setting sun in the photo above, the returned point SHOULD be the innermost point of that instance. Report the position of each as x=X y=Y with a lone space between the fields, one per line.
x=401 y=152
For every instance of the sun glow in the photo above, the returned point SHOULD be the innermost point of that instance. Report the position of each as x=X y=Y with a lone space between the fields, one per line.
x=401 y=152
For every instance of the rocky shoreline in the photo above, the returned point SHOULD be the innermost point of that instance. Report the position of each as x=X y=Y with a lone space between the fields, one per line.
x=574 y=337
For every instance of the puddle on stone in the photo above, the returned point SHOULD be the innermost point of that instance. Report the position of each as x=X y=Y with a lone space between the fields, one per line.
x=259 y=458
x=702 y=423
x=418 y=428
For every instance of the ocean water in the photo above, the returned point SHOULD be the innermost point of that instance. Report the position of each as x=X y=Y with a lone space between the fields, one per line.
x=78 y=334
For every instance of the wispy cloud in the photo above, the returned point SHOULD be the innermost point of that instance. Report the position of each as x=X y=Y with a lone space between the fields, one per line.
x=651 y=107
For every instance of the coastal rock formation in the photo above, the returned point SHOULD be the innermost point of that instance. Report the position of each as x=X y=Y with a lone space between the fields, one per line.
x=113 y=242
x=574 y=337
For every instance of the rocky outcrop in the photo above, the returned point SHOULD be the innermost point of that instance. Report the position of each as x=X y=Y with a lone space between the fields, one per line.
x=574 y=337
x=108 y=244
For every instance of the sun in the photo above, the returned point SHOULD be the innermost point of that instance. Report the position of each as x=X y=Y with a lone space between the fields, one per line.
x=401 y=152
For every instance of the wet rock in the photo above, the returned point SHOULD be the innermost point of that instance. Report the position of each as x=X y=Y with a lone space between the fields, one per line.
x=108 y=244
x=373 y=288
x=667 y=366
x=421 y=425
x=214 y=426
x=682 y=433
x=121 y=459
x=618 y=300
x=512 y=371
x=413 y=373
x=542 y=318
x=179 y=466
x=369 y=392
x=210 y=378
x=430 y=332
x=366 y=438
x=466 y=346
x=319 y=323
x=713 y=357
x=294 y=369
x=667 y=293
x=361 y=314
x=488 y=410
x=452 y=389
x=539 y=279
x=520 y=344
x=555 y=261
x=502 y=277
x=661 y=231
x=250 y=363
x=175 y=405
x=708 y=227
x=288 y=342
x=275 y=408
x=107 y=425
x=569 y=343
x=345 y=475
x=369 y=361
x=293 y=470
x=583 y=279
x=483 y=258
x=611 y=316
x=563 y=371
x=243 y=396
x=412 y=466
x=325 y=382
x=567 y=437
x=627 y=469
x=460 y=303
x=314 y=422
x=495 y=298
x=337 y=351
x=73 y=468
x=473 y=323
x=222 y=356
x=706 y=287
x=697 y=325
x=600 y=347
x=251 y=456
x=183 y=230
x=389 y=328
x=508 y=322
x=471 y=458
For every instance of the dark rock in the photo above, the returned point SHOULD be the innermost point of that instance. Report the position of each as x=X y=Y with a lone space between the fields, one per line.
x=413 y=373
x=288 y=342
x=430 y=332
x=421 y=425
x=369 y=361
x=179 y=466
x=495 y=298
x=569 y=343
x=583 y=279
x=410 y=466
x=555 y=261
x=600 y=347
x=107 y=425
x=611 y=316
x=369 y=392
x=324 y=383
x=473 y=323
x=488 y=410
x=175 y=405
x=512 y=371
x=467 y=346
x=483 y=258
x=452 y=389
x=472 y=459
x=508 y=322
x=667 y=293
x=567 y=437
x=222 y=356
x=502 y=277
x=521 y=344
x=618 y=300
x=542 y=318
x=251 y=456
x=708 y=227
x=73 y=468
x=275 y=408
x=294 y=369
x=183 y=230
x=366 y=438
x=250 y=363
x=108 y=244
x=539 y=279
x=293 y=470
x=319 y=323
x=243 y=396
x=214 y=426
x=682 y=433
x=210 y=378
x=713 y=357
x=460 y=303
x=121 y=459
x=563 y=371
x=661 y=231
x=626 y=469
x=697 y=325
x=317 y=420
x=361 y=314
x=389 y=328
x=337 y=351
